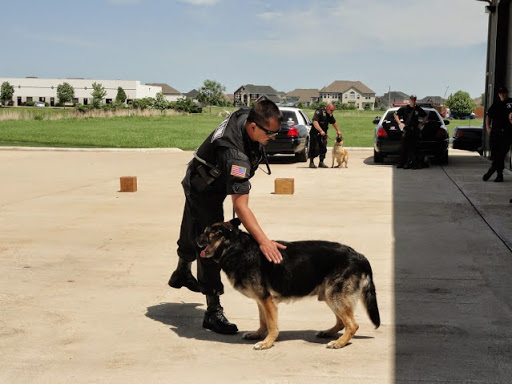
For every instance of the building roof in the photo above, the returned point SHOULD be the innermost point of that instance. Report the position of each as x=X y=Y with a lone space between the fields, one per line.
x=191 y=94
x=304 y=94
x=266 y=90
x=434 y=100
x=166 y=89
x=341 y=86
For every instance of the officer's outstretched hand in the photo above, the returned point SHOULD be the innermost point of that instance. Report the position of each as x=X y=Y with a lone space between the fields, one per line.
x=271 y=249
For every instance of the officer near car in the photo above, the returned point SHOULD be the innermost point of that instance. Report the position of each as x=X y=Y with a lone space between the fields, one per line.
x=500 y=133
x=318 y=134
x=408 y=119
x=222 y=166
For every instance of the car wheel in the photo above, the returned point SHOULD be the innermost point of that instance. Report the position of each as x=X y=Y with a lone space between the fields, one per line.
x=302 y=156
x=377 y=157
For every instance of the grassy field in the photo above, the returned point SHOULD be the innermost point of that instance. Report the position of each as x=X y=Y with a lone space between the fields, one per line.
x=61 y=128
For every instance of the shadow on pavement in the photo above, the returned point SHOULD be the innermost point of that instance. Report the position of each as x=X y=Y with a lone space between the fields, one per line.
x=186 y=320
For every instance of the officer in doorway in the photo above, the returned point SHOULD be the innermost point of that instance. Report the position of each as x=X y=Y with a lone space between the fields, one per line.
x=222 y=166
x=318 y=134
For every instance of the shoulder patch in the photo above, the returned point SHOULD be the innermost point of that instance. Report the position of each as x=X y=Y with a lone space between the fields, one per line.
x=238 y=171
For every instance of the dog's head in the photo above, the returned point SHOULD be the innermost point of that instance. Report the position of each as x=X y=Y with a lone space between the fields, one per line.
x=217 y=237
x=339 y=140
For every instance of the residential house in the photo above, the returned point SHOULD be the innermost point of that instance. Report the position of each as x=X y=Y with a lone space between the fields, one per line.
x=303 y=96
x=170 y=94
x=247 y=94
x=392 y=98
x=349 y=92
x=436 y=101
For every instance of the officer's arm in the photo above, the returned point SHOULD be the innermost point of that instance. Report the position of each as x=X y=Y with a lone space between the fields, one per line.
x=397 y=119
x=335 y=125
x=318 y=128
x=268 y=247
x=488 y=123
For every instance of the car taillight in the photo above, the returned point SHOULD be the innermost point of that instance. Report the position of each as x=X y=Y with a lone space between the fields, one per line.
x=460 y=133
x=441 y=134
x=382 y=132
x=292 y=132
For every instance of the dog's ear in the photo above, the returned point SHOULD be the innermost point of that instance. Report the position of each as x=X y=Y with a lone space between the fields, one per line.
x=235 y=222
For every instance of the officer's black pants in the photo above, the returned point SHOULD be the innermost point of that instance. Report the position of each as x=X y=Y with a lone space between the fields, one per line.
x=500 y=145
x=201 y=209
x=317 y=146
x=408 y=149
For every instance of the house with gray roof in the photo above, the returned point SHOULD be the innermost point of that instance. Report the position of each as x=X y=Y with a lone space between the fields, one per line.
x=349 y=92
x=304 y=96
x=170 y=94
x=389 y=99
x=249 y=93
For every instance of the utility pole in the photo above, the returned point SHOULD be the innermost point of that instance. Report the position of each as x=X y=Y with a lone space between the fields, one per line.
x=389 y=96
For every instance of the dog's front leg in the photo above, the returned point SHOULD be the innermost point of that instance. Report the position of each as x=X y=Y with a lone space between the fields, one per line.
x=270 y=311
x=260 y=333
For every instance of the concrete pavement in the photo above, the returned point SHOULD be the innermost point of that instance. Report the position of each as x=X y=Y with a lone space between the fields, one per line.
x=84 y=296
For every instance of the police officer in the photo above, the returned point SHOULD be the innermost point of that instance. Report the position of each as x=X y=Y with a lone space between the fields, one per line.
x=408 y=119
x=500 y=133
x=222 y=166
x=318 y=134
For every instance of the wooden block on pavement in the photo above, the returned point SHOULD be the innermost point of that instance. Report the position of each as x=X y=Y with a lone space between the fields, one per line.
x=128 y=184
x=284 y=186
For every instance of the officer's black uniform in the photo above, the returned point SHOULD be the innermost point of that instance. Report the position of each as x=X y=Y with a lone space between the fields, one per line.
x=225 y=162
x=500 y=137
x=318 y=143
x=410 y=117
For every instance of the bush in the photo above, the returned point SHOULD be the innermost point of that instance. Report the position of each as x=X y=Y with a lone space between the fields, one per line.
x=30 y=103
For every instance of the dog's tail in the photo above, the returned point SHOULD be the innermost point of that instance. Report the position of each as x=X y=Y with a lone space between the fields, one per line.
x=370 y=299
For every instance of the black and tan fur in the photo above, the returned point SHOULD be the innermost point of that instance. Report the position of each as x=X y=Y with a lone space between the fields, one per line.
x=334 y=272
x=339 y=153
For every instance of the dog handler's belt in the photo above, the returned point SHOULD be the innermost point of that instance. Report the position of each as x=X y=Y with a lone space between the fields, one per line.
x=213 y=172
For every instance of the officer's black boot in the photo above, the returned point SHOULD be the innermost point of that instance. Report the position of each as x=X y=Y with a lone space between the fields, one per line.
x=322 y=164
x=312 y=164
x=488 y=174
x=499 y=177
x=182 y=277
x=214 y=318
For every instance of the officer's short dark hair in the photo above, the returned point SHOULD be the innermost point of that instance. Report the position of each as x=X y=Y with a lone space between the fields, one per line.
x=263 y=111
x=503 y=90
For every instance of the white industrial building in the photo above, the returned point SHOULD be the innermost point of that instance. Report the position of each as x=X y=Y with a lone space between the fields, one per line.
x=37 y=89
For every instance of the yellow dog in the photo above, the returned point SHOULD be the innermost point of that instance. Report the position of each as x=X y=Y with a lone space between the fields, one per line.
x=339 y=153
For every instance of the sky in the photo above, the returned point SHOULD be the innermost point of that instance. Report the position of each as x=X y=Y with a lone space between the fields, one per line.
x=426 y=47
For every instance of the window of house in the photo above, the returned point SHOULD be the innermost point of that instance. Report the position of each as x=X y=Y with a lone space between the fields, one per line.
x=108 y=101
x=352 y=95
x=75 y=100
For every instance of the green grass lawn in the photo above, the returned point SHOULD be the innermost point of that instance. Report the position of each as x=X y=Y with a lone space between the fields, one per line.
x=184 y=131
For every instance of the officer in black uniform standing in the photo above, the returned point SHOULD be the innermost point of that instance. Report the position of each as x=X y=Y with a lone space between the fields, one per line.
x=500 y=133
x=222 y=166
x=408 y=119
x=318 y=134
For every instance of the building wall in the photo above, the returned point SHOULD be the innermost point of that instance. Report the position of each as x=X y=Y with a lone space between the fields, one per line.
x=46 y=89
x=351 y=96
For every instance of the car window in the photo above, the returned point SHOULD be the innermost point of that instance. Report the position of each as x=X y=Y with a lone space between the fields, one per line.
x=289 y=116
x=305 y=118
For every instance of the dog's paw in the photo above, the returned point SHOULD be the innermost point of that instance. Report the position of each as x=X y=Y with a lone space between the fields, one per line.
x=263 y=345
x=252 y=336
x=335 y=344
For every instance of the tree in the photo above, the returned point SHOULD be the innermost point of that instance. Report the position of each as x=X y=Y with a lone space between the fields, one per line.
x=65 y=93
x=98 y=94
x=460 y=104
x=482 y=103
x=6 y=93
x=121 y=96
x=160 y=102
x=211 y=93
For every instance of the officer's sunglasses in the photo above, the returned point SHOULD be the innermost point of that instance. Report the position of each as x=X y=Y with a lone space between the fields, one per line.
x=268 y=132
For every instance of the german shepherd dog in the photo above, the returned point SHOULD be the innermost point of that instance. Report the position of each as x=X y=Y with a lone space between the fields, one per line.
x=339 y=153
x=334 y=272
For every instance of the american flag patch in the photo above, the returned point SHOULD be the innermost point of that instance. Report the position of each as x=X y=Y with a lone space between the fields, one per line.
x=238 y=171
